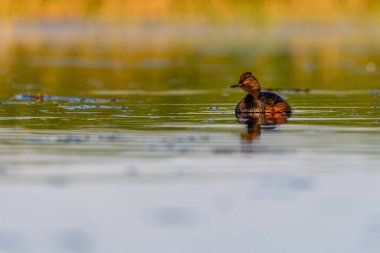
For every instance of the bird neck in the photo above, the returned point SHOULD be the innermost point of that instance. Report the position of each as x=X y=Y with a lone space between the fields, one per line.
x=255 y=93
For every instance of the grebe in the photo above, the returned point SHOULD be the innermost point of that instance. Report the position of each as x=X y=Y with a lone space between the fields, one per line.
x=256 y=101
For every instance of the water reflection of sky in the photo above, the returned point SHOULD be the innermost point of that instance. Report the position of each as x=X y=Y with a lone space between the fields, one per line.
x=269 y=212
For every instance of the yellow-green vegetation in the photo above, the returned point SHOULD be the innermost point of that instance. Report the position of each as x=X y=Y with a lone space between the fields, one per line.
x=71 y=47
x=213 y=11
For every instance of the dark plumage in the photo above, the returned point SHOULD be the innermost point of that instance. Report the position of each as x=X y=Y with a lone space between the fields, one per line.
x=256 y=101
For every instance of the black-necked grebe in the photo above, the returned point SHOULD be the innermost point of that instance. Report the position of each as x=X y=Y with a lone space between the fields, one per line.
x=256 y=101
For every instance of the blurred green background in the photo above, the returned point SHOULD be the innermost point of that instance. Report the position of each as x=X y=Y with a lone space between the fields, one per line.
x=75 y=47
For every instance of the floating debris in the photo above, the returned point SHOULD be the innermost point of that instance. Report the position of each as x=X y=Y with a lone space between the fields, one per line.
x=69 y=139
x=109 y=137
x=27 y=97
x=213 y=108
x=42 y=97
x=89 y=107
x=65 y=139
x=73 y=139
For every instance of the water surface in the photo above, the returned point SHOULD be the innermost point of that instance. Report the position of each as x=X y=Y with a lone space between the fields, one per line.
x=105 y=146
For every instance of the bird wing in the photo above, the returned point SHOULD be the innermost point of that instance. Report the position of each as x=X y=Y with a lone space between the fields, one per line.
x=270 y=98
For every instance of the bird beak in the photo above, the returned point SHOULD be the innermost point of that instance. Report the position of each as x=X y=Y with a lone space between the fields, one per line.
x=235 y=85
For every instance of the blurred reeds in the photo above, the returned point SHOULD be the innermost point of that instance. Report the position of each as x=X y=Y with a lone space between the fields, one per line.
x=63 y=20
x=304 y=43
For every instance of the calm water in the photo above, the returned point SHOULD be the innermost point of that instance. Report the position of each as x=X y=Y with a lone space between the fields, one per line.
x=135 y=146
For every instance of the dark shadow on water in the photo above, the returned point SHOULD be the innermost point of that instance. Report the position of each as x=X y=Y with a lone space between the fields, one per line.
x=254 y=123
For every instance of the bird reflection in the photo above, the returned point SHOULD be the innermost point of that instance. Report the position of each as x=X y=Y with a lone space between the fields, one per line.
x=254 y=122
